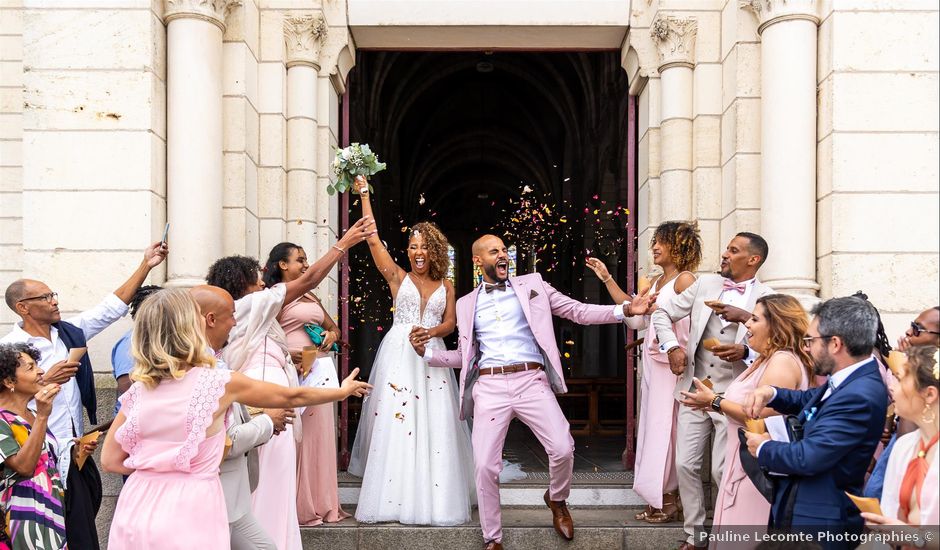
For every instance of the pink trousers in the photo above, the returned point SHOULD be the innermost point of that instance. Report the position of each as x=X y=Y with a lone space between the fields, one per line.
x=497 y=399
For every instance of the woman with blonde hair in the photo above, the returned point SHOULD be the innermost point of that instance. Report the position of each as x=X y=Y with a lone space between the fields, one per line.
x=910 y=495
x=677 y=249
x=169 y=432
x=775 y=330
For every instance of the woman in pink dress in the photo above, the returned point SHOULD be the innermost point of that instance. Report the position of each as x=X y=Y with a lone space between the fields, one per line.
x=677 y=249
x=169 y=435
x=317 y=497
x=775 y=330
x=911 y=494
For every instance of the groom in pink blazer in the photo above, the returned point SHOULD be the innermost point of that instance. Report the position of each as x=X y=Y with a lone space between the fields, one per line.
x=511 y=368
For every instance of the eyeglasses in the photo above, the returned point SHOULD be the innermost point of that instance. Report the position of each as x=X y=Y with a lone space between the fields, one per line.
x=808 y=340
x=48 y=297
x=917 y=328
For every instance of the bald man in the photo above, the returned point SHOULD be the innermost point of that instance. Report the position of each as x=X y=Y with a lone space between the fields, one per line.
x=511 y=368
x=239 y=471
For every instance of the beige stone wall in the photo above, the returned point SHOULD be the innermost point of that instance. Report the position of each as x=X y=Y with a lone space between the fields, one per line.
x=83 y=131
x=877 y=147
x=11 y=148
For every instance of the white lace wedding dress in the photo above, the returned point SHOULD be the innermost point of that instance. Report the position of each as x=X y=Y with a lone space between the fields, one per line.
x=411 y=449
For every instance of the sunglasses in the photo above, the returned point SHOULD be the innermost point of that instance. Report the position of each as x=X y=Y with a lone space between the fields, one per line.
x=917 y=328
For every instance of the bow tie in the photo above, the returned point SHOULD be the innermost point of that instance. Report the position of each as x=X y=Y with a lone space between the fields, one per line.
x=490 y=288
x=731 y=285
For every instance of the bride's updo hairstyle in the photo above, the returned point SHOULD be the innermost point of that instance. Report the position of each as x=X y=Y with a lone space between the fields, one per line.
x=438 y=260
x=168 y=335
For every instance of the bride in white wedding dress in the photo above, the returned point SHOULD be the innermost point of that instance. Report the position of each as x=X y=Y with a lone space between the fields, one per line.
x=411 y=450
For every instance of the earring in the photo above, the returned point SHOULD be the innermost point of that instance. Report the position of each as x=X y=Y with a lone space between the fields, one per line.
x=925 y=418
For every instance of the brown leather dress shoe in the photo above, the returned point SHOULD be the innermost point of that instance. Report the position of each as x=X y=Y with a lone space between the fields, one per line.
x=493 y=545
x=561 y=519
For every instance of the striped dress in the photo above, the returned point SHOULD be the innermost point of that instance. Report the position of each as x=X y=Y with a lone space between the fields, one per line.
x=32 y=507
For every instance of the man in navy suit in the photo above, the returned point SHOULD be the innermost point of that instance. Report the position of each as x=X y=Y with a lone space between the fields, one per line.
x=842 y=423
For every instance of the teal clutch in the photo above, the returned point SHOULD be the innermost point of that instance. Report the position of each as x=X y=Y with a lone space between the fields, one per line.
x=317 y=334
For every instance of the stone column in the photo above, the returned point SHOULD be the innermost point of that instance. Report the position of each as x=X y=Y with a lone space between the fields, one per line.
x=303 y=35
x=194 y=136
x=675 y=38
x=788 y=31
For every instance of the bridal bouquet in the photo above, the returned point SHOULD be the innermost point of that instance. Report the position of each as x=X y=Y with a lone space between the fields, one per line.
x=352 y=161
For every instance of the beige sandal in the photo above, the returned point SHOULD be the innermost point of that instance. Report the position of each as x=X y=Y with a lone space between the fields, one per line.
x=645 y=513
x=671 y=510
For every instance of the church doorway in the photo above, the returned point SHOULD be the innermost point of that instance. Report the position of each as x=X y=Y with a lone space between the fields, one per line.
x=535 y=147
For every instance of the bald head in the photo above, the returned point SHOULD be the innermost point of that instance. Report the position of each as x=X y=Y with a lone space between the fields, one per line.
x=492 y=257
x=484 y=243
x=16 y=292
x=218 y=308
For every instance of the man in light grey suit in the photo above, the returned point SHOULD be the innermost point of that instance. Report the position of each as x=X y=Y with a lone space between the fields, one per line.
x=239 y=470
x=731 y=296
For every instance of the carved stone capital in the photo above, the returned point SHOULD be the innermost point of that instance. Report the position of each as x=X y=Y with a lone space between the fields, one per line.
x=769 y=12
x=675 y=38
x=304 y=36
x=213 y=11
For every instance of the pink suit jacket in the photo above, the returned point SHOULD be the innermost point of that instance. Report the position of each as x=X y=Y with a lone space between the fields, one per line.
x=539 y=302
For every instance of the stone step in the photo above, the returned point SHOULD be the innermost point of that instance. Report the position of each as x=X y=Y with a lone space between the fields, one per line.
x=523 y=529
x=582 y=495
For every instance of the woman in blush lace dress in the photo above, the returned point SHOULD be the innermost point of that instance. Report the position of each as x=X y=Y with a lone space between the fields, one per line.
x=169 y=435
x=411 y=449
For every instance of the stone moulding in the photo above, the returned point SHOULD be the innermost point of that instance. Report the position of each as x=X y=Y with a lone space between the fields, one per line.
x=675 y=38
x=303 y=36
x=769 y=12
x=212 y=11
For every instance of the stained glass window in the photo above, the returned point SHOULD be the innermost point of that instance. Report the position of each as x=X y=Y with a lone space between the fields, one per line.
x=451 y=271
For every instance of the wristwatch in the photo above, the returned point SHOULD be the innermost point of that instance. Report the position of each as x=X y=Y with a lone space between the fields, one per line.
x=716 y=404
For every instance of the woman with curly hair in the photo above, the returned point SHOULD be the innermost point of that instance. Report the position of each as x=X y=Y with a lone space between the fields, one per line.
x=411 y=449
x=31 y=490
x=677 y=250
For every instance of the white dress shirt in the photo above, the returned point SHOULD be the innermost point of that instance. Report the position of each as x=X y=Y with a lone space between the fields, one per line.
x=502 y=330
x=66 y=420
x=735 y=298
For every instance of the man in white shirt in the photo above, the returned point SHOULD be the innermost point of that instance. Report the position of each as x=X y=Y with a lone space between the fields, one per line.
x=42 y=327
x=511 y=368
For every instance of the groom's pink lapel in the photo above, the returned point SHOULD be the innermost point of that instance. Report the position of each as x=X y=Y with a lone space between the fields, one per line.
x=466 y=319
x=522 y=293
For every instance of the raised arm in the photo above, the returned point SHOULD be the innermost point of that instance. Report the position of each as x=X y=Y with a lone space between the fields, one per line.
x=318 y=271
x=392 y=273
x=153 y=256
x=599 y=269
x=265 y=395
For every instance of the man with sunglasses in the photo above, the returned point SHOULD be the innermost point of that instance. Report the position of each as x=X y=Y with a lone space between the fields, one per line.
x=42 y=327
x=924 y=330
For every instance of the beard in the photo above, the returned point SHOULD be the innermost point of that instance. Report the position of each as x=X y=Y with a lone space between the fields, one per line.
x=490 y=271
x=823 y=366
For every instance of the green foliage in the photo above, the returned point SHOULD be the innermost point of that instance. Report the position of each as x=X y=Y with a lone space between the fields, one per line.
x=355 y=160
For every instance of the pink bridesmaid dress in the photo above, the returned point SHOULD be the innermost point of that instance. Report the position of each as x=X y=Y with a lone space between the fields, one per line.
x=317 y=497
x=655 y=468
x=274 y=501
x=739 y=502
x=174 y=499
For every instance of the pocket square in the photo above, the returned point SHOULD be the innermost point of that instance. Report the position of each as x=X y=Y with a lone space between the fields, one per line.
x=533 y=294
